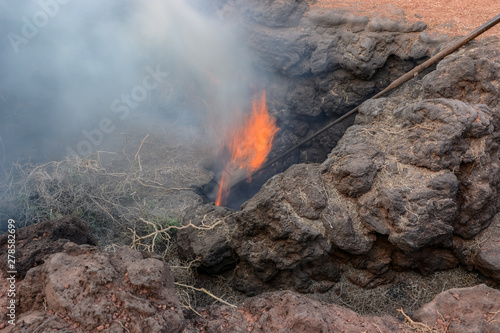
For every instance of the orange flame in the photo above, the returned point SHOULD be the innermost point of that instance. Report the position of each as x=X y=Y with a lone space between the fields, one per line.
x=248 y=145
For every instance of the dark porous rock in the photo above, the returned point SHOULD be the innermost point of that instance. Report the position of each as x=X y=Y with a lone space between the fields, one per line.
x=488 y=256
x=471 y=74
x=430 y=137
x=483 y=251
x=327 y=18
x=206 y=240
x=83 y=289
x=407 y=187
x=245 y=280
x=405 y=206
x=425 y=261
x=386 y=24
x=465 y=310
x=441 y=131
x=326 y=61
x=464 y=251
x=280 y=229
x=353 y=167
x=282 y=52
x=378 y=198
x=343 y=224
x=37 y=241
x=378 y=260
x=367 y=279
x=480 y=186
x=403 y=183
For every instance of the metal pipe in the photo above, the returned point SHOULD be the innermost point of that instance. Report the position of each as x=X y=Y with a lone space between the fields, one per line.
x=396 y=83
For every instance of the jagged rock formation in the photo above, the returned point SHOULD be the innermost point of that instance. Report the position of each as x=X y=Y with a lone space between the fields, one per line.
x=321 y=62
x=82 y=289
x=412 y=185
x=34 y=244
x=208 y=243
x=456 y=310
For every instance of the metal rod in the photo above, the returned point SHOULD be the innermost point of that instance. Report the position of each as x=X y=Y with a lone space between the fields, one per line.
x=396 y=83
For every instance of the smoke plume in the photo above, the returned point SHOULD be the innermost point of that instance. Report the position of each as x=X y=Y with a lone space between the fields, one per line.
x=72 y=71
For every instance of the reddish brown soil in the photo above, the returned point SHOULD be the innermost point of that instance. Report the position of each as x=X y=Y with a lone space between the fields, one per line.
x=453 y=17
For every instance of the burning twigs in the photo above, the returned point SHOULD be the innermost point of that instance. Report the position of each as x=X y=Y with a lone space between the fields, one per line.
x=398 y=82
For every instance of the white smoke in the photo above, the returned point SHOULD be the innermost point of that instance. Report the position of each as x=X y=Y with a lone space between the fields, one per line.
x=63 y=64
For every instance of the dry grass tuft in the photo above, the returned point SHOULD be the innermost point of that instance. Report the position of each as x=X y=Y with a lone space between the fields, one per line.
x=195 y=291
x=409 y=292
x=132 y=197
x=109 y=201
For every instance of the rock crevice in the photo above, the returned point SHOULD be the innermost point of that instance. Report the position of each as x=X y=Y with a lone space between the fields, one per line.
x=409 y=185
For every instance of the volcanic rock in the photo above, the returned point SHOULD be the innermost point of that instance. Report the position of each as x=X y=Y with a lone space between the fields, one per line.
x=83 y=289
x=465 y=310
x=357 y=167
x=456 y=310
x=277 y=13
x=471 y=74
x=285 y=311
x=318 y=63
x=343 y=225
x=279 y=230
x=488 y=256
x=411 y=178
x=367 y=279
x=424 y=261
x=483 y=251
x=205 y=239
x=36 y=242
x=410 y=183
x=394 y=174
x=324 y=61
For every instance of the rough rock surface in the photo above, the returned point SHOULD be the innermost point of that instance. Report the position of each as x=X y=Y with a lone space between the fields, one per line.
x=488 y=257
x=437 y=150
x=207 y=241
x=279 y=235
x=324 y=61
x=286 y=311
x=482 y=252
x=470 y=74
x=410 y=184
x=38 y=241
x=463 y=310
x=83 y=289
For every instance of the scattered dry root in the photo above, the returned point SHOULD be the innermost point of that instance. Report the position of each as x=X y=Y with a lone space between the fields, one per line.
x=123 y=200
x=417 y=326
x=206 y=292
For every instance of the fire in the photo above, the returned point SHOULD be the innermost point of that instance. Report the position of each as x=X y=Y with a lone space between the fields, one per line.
x=248 y=145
